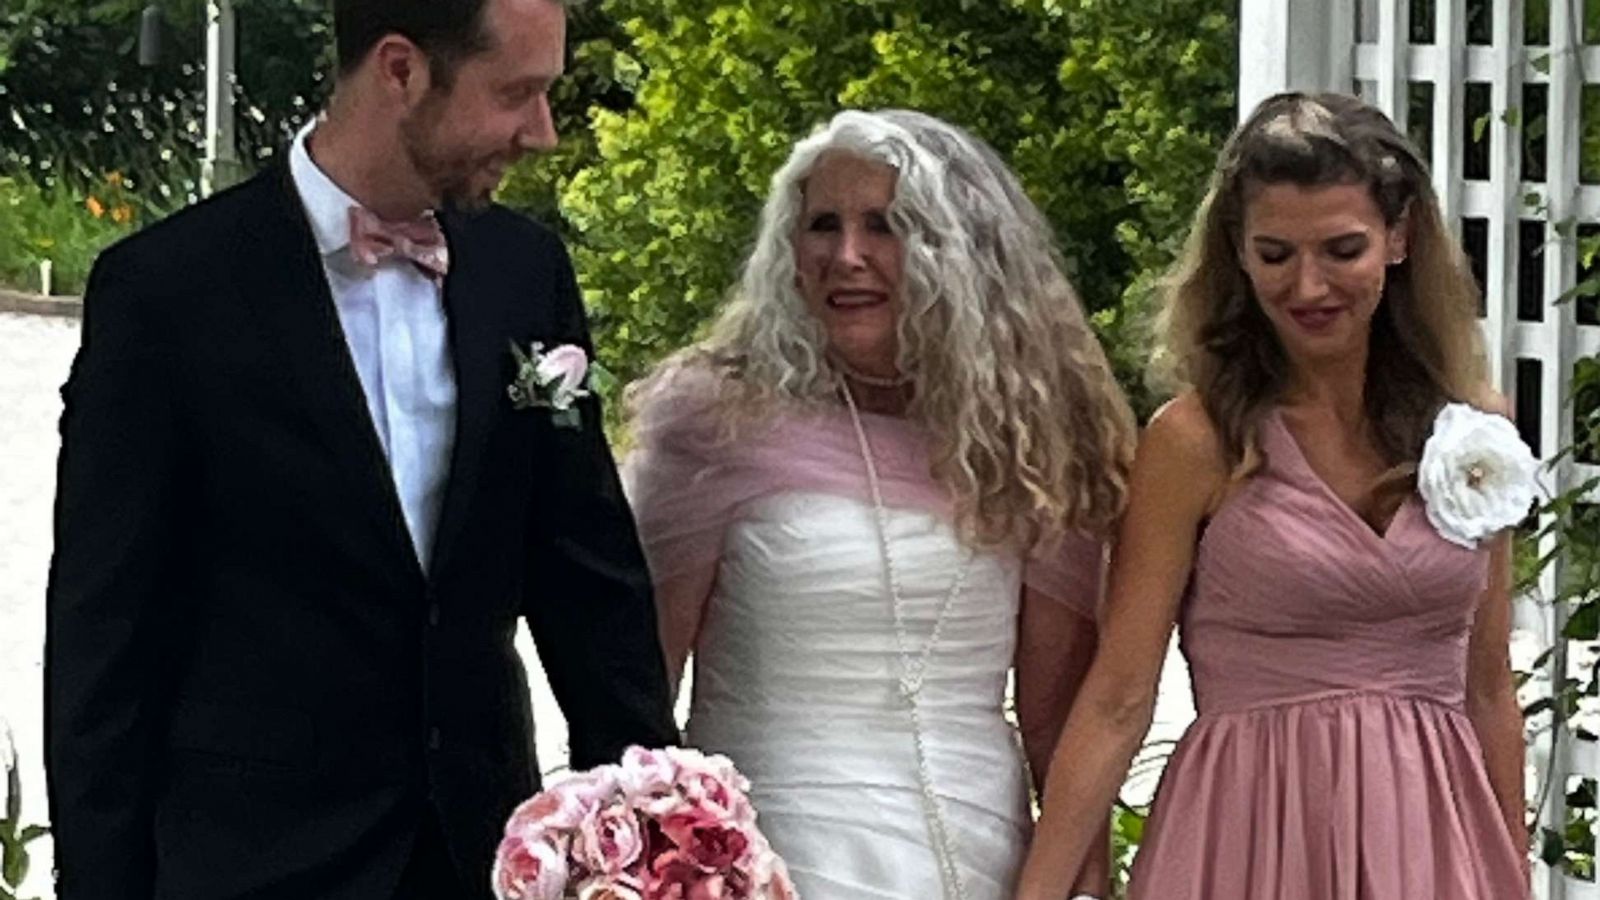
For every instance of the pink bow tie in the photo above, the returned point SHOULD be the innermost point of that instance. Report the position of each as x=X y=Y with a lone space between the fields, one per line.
x=373 y=240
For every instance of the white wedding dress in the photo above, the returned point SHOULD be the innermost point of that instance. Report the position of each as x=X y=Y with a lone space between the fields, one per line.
x=797 y=678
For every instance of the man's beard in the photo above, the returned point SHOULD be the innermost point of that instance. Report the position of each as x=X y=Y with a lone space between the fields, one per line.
x=447 y=175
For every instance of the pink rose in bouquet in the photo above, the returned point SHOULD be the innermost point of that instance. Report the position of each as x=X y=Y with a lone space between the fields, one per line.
x=609 y=841
x=677 y=878
x=529 y=866
x=718 y=789
x=553 y=810
x=621 y=888
x=668 y=824
x=705 y=840
x=593 y=789
x=646 y=775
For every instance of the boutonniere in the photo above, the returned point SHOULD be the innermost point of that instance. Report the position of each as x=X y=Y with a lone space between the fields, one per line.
x=555 y=380
x=1477 y=476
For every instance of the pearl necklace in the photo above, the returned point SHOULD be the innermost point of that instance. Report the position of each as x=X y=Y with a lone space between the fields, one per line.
x=914 y=670
x=875 y=381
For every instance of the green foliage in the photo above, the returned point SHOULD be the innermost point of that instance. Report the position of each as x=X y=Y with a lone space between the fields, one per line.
x=64 y=225
x=1111 y=113
x=66 y=126
x=1127 y=833
x=600 y=78
x=1569 y=523
x=93 y=146
x=1589 y=137
x=15 y=837
x=1570 y=532
x=75 y=105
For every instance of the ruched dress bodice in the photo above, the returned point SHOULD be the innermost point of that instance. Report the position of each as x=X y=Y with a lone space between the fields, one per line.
x=1332 y=758
x=797 y=677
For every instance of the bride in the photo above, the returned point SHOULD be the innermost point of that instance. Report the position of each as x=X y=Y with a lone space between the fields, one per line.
x=870 y=496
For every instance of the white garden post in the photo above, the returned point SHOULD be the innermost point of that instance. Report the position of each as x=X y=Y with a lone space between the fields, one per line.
x=221 y=165
x=1285 y=45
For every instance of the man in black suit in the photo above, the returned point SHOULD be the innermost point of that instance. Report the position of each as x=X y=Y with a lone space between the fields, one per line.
x=298 y=514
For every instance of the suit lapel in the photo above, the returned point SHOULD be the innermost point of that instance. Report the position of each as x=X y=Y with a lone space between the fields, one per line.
x=282 y=279
x=479 y=350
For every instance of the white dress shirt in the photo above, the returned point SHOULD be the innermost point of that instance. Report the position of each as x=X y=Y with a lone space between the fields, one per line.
x=394 y=322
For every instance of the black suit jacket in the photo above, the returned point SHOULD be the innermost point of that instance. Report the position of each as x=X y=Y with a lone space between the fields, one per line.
x=253 y=689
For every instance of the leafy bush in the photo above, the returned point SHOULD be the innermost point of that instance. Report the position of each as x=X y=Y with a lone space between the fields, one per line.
x=65 y=127
x=75 y=104
x=1571 y=533
x=66 y=226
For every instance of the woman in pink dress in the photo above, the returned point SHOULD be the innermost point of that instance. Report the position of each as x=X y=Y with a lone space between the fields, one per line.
x=1358 y=734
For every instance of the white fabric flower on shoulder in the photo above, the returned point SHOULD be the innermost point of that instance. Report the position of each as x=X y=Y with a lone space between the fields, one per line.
x=1477 y=476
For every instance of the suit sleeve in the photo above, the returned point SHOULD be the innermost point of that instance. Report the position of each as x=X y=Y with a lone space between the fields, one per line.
x=105 y=632
x=588 y=597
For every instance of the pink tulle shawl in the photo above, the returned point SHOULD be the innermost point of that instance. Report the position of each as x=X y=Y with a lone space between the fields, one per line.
x=687 y=485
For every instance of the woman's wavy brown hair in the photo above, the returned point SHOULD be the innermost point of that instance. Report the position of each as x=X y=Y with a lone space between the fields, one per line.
x=1425 y=347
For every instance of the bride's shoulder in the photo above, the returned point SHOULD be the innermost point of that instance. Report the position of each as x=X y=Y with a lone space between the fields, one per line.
x=683 y=403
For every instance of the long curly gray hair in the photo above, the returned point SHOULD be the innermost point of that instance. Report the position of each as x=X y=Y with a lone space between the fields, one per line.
x=1030 y=433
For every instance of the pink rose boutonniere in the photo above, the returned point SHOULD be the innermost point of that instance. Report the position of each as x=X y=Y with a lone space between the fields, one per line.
x=555 y=380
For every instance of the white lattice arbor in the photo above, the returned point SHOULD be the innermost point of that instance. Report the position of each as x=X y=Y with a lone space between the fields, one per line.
x=1499 y=93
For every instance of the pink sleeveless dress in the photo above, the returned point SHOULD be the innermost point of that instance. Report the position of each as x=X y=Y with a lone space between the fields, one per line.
x=1332 y=758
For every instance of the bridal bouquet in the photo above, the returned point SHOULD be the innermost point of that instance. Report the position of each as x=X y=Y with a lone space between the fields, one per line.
x=668 y=824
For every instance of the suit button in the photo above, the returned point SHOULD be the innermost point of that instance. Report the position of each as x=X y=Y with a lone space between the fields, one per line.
x=434 y=739
x=433 y=614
